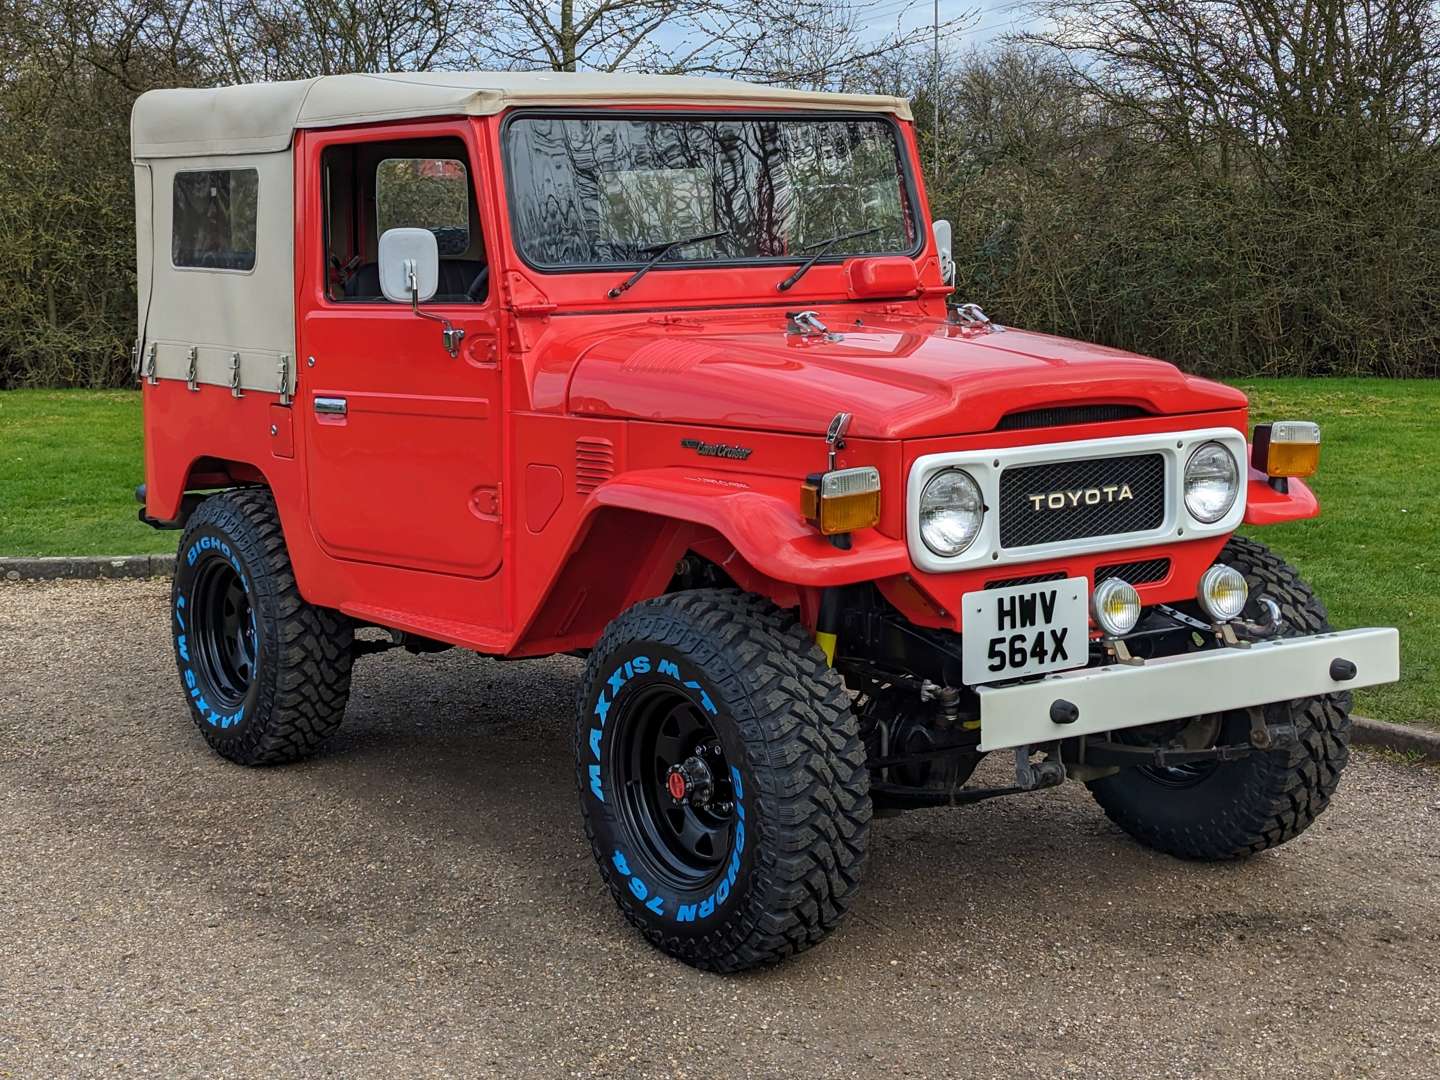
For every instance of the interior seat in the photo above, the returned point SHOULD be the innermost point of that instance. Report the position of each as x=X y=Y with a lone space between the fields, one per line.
x=456 y=277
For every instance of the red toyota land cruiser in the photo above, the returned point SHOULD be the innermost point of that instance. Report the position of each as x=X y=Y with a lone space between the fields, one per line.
x=662 y=373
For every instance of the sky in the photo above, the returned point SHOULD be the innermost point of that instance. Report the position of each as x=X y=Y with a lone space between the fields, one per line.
x=981 y=22
x=984 y=20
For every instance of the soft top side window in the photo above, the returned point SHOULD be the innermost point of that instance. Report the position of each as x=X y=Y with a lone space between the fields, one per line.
x=371 y=187
x=212 y=226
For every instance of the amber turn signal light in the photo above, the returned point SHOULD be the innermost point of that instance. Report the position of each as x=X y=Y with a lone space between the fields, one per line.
x=842 y=500
x=1286 y=448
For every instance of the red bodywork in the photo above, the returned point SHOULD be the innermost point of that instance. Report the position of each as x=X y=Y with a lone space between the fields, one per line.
x=513 y=500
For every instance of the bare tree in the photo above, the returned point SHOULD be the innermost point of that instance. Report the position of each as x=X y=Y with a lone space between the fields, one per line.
x=289 y=39
x=1260 y=76
x=817 y=43
x=1265 y=184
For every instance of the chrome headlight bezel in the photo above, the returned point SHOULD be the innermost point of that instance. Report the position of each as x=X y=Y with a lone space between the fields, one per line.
x=975 y=506
x=1220 y=460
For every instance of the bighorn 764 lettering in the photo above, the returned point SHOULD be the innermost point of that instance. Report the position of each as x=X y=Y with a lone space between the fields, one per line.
x=665 y=373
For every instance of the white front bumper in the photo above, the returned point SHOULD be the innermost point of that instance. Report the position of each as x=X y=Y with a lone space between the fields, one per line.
x=1124 y=696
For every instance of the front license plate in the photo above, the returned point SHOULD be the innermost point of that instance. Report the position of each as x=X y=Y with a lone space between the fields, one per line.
x=1025 y=630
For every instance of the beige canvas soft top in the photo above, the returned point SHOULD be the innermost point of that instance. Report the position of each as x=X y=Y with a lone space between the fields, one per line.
x=260 y=117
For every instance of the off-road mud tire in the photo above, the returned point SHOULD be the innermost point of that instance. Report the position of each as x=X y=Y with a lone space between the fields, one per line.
x=784 y=720
x=1261 y=801
x=295 y=695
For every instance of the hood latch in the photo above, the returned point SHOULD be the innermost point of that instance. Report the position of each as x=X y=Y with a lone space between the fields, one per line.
x=807 y=324
x=972 y=317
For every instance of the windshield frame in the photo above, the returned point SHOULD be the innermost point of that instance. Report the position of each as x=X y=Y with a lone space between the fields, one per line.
x=902 y=147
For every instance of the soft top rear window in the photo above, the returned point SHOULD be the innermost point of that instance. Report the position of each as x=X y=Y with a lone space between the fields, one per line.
x=598 y=191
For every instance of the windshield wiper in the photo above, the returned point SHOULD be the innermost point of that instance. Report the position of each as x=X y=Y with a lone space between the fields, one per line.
x=824 y=249
x=661 y=250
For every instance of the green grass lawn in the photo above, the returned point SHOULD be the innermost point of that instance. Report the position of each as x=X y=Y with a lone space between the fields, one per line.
x=69 y=463
x=70 y=460
x=1371 y=554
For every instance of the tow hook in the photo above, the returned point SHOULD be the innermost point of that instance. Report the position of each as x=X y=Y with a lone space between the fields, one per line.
x=1044 y=774
x=1271 y=625
x=1257 y=630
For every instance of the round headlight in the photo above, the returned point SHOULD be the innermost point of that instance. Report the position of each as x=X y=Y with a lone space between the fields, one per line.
x=1223 y=592
x=1212 y=481
x=951 y=510
x=1116 y=606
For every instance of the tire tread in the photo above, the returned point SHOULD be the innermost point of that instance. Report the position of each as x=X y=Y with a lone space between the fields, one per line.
x=312 y=681
x=807 y=760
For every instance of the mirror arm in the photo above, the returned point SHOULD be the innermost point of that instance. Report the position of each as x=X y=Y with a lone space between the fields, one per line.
x=450 y=335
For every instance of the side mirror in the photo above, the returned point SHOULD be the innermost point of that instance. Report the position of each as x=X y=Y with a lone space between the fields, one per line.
x=409 y=265
x=410 y=274
x=945 y=245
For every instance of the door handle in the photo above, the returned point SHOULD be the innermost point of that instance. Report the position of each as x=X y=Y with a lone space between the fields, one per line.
x=330 y=406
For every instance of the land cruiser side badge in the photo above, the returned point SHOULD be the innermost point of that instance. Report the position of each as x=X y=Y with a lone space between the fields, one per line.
x=717 y=449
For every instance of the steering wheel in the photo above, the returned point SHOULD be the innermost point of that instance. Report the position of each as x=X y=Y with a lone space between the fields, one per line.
x=479 y=286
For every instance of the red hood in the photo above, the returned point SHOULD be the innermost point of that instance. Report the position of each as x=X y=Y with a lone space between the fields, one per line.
x=901 y=376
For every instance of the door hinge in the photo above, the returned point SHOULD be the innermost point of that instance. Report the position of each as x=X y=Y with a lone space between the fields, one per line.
x=192 y=373
x=284 y=387
x=235 y=390
x=151 y=361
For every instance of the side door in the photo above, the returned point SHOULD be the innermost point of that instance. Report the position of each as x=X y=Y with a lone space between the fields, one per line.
x=402 y=440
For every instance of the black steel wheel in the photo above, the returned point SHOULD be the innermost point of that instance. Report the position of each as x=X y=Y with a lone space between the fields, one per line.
x=223 y=622
x=673 y=779
x=266 y=675
x=722 y=779
x=1231 y=809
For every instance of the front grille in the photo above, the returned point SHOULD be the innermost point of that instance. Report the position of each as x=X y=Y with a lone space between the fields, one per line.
x=1061 y=415
x=1076 y=499
x=1141 y=572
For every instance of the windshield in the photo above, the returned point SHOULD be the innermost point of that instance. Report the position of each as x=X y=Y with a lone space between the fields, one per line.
x=601 y=191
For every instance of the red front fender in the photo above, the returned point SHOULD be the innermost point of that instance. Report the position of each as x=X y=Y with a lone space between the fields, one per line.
x=760 y=517
x=1266 y=506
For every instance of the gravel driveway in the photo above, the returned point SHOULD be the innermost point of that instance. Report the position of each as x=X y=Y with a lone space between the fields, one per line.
x=419 y=900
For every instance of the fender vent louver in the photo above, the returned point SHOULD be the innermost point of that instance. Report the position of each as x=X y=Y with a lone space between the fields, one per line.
x=594 y=463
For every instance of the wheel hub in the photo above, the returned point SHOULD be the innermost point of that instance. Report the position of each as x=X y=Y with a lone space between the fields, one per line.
x=674 y=782
x=691 y=781
x=225 y=639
